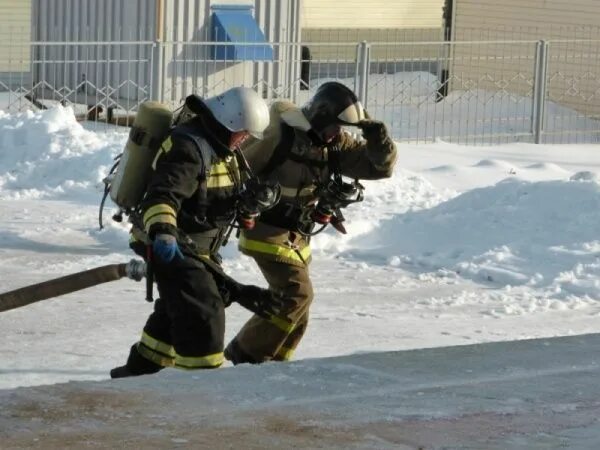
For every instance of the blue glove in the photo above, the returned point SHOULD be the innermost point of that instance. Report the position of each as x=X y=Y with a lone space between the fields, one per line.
x=165 y=248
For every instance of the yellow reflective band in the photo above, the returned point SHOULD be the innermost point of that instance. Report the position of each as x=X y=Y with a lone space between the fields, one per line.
x=282 y=324
x=161 y=218
x=274 y=249
x=155 y=357
x=162 y=213
x=164 y=148
x=285 y=353
x=219 y=168
x=220 y=176
x=167 y=145
x=161 y=208
x=157 y=345
x=219 y=181
x=199 y=362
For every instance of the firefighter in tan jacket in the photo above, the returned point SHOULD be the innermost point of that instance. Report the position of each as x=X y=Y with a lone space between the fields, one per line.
x=305 y=150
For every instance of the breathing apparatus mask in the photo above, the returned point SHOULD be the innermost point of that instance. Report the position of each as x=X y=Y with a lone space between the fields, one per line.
x=333 y=196
x=254 y=199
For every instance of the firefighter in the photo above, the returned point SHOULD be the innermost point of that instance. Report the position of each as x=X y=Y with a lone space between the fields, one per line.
x=192 y=197
x=298 y=152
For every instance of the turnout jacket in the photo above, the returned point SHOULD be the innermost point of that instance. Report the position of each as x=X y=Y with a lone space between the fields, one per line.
x=191 y=194
x=305 y=166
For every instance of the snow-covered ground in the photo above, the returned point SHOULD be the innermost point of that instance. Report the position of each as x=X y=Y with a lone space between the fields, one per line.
x=461 y=245
x=537 y=394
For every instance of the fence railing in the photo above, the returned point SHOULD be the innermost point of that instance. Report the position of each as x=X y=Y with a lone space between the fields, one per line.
x=474 y=92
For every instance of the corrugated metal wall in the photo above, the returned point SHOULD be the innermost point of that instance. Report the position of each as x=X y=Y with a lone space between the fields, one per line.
x=86 y=49
x=280 y=21
x=94 y=20
x=190 y=68
x=168 y=69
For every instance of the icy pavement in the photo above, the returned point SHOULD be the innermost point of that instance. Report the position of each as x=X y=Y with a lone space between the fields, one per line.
x=533 y=394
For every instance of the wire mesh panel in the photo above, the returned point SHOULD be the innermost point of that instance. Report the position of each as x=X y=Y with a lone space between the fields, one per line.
x=572 y=111
x=92 y=76
x=209 y=68
x=15 y=68
x=470 y=92
x=113 y=75
x=285 y=71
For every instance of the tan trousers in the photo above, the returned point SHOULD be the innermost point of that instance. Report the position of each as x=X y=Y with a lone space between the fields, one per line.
x=261 y=340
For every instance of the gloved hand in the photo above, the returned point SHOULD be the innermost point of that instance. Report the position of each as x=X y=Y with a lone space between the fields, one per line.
x=260 y=301
x=373 y=129
x=165 y=247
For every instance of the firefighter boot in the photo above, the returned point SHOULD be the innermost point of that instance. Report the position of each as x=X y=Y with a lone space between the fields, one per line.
x=136 y=365
x=234 y=353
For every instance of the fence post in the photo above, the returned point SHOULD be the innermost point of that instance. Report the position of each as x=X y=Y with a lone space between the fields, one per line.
x=156 y=71
x=539 y=90
x=361 y=78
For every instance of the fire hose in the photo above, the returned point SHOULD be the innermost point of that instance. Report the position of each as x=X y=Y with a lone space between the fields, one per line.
x=134 y=270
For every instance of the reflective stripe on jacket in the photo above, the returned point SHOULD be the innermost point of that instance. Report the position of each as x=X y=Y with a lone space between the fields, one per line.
x=300 y=174
x=192 y=190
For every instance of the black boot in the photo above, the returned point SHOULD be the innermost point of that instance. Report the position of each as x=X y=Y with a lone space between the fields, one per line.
x=136 y=365
x=121 y=372
x=234 y=353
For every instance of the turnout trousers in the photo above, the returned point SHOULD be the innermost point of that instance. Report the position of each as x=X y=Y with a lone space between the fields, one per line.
x=262 y=340
x=186 y=329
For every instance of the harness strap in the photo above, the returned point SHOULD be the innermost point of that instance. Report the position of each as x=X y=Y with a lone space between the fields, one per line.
x=282 y=150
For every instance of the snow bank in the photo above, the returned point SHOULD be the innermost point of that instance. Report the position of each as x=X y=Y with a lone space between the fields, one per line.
x=516 y=232
x=536 y=228
x=48 y=154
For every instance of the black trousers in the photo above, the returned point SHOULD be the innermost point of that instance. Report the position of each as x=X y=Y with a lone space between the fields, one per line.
x=186 y=329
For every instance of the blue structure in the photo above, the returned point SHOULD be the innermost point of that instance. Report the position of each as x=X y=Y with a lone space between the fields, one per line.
x=235 y=23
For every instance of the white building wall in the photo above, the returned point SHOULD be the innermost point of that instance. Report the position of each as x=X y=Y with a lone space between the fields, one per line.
x=573 y=70
x=371 y=14
x=545 y=15
x=15 y=32
x=353 y=21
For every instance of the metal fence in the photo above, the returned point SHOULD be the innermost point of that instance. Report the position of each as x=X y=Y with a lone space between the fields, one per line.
x=473 y=92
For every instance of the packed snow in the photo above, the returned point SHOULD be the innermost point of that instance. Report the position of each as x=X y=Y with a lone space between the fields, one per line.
x=464 y=244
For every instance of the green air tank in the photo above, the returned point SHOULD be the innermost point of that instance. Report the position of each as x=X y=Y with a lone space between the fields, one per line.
x=150 y=128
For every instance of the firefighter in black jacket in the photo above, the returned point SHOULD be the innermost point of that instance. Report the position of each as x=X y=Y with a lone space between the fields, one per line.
x=192 y=198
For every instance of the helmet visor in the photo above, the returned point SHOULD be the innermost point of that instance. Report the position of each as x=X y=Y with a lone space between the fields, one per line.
x=352 y=114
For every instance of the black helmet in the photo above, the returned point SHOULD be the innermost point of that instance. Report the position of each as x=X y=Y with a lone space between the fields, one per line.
x=333 y=104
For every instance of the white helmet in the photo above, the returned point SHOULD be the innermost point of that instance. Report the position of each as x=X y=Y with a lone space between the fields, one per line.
x=240 y=109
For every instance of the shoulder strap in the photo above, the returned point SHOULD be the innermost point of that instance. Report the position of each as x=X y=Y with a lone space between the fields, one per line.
x=281 y=152
x=206 y=153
